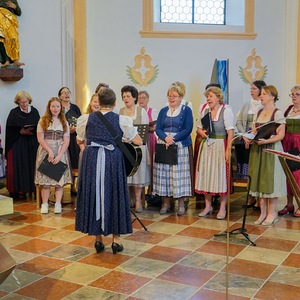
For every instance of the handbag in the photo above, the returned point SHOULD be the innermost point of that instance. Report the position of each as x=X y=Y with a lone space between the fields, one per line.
x=166 y=156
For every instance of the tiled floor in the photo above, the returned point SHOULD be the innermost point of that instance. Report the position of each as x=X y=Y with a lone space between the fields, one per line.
x=177 y=258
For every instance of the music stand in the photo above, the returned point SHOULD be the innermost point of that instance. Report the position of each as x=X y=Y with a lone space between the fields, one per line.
x=242 y=230
x=137 y=218
x=143 y=130
x=283 y=156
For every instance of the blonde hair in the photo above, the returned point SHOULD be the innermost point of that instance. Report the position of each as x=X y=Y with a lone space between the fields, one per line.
x=271 y=90
x=22 y=94
x=218 y=92
x=46 y=119
x=177 y=89
x=89 y=109
x=181 y=85
x=295 y=87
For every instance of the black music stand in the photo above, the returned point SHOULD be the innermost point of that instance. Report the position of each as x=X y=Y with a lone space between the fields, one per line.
x=137 y=218
x=242 y=230
x=143 y=130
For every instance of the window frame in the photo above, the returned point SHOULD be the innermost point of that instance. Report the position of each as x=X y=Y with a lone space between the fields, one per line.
x=148 y=30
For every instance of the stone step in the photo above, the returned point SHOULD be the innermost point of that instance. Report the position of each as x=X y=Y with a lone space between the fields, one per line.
x=6 y=205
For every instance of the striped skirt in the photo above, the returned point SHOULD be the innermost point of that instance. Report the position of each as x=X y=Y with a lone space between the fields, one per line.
x=211 y=168
x=173 y=180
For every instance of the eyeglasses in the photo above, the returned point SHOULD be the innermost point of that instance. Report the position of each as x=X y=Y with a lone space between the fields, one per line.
x=294 y=95
x=66 y=92
x=173 y=97
x=253 y=89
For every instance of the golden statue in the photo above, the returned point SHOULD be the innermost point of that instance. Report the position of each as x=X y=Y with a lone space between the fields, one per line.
x=9 y=33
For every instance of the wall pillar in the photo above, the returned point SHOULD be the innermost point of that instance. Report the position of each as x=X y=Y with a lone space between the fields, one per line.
x=80 y=53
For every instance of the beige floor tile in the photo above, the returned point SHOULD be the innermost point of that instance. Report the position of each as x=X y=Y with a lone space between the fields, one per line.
x=182 y=242
x=9 y=240
x=286 y=275
x=281 y=233
x=56 y=222
x=163 y=290
x=61 y=236
x=237 y=285
x=167 y=228
x=205 y=261
x=262 y=255
x=79 y=273
x=89 y=293
x=145 y=267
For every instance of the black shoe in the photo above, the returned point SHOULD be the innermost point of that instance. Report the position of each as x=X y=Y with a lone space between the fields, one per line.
x=99 y=246
x=116 y=248
x=256 y=208
x=22 y=196
x=250 y=205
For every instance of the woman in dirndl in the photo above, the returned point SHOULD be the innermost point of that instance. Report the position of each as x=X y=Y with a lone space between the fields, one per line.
x=54 y=137
x=268 y=181
x=141 y=178
x=174 y=126
x=211 y=176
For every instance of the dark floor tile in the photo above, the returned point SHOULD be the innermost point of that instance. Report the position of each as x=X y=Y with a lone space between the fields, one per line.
x=250 y=228
x=205 y=294
x=68 y=214
x=36 y=246
x=220 y=248
x=137 y=225
x=147 y=237
x=250 y=268
x=25 y=207
x=197 y=232
x=273 y=243
x=187 y=275
x=29 y=218
x=42 y=265
x=33 y=230
x=182 y=220
x=288 y=223
x=2 y=294
x=120 y=282
x=275 y=290
x=105 y=259
x=165 y=253
x=293 y=260
x=48 y=288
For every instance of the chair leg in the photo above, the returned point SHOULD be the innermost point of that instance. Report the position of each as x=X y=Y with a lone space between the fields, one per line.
x=38 y=196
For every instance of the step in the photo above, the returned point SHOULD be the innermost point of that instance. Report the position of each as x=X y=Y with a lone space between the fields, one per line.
x=6 y=205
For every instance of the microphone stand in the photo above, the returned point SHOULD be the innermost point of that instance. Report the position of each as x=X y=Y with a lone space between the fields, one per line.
x=242 y=230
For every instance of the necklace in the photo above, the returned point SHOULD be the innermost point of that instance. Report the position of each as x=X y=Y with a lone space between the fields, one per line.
x=129 y=111
x=295 y=110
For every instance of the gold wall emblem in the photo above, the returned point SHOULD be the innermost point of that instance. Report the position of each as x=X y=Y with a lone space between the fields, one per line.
x=253 y=70
x=142 y=73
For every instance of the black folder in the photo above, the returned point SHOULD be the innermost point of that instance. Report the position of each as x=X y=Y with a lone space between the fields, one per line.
x=54 y=171
x=266 y=131
x=207 y=123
